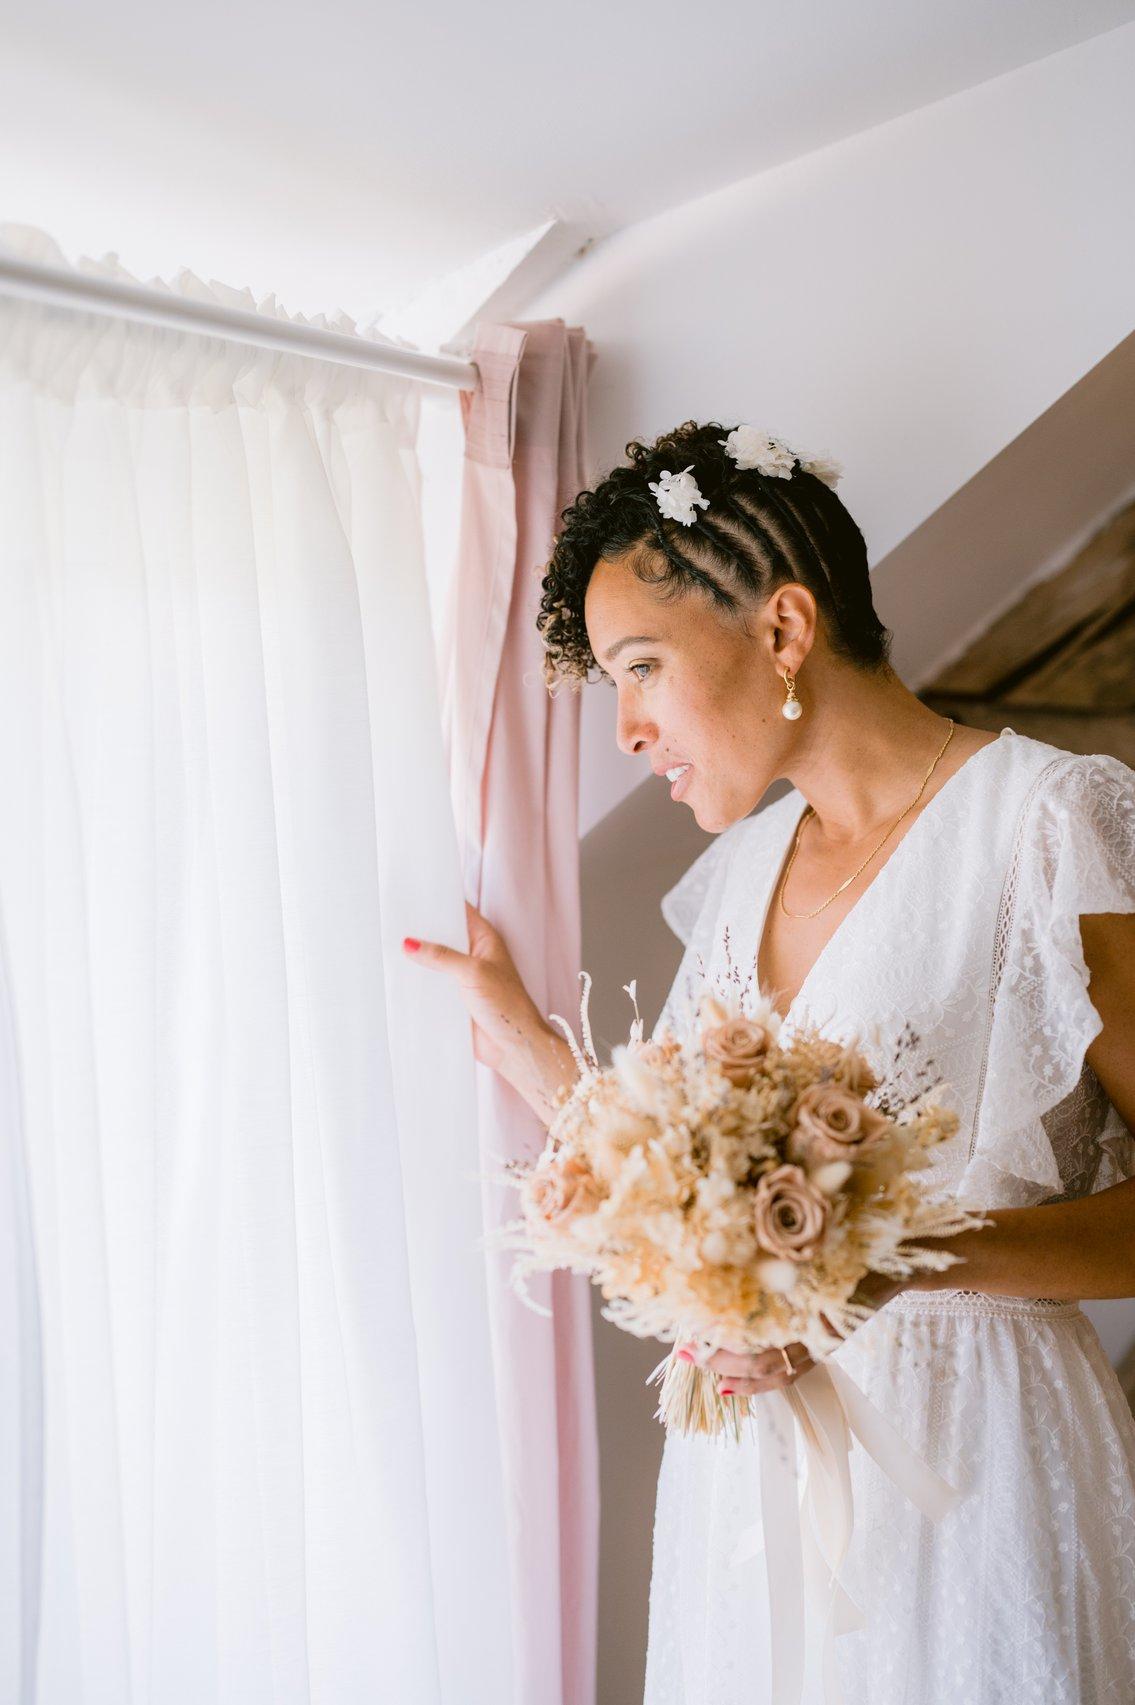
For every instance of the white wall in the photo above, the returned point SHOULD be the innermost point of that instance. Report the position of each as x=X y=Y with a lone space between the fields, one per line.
x=910 y=299
x=343 y=165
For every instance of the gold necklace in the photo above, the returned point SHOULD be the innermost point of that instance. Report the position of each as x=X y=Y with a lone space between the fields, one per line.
x=870 y=855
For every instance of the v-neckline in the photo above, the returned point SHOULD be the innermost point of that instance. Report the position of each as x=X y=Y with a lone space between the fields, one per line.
x=777 y=865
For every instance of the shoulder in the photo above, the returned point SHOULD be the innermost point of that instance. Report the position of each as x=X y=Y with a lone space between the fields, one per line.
x=1080 y=802
x=1059 y=771
x=1038 y=794
x=1074 y=859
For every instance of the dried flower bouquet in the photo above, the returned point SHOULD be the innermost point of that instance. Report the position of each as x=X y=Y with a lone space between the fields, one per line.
x=732 y=1191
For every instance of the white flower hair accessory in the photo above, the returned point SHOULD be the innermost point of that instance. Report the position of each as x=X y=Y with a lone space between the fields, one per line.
x=676 y=495
x=751 y=447
x=823 y=467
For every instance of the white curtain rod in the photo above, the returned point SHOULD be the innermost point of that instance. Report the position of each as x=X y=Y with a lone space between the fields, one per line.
x=64 y=289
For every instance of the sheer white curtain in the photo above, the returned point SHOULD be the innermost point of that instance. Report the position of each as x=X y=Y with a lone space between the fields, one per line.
x=248 y=1433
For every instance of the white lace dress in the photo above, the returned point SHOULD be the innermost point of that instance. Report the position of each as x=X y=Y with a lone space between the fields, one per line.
x=1025 y=1593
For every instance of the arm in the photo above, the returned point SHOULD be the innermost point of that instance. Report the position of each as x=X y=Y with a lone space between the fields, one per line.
x=1070 y=1250
x=540 y=1065
x=1075 y=1249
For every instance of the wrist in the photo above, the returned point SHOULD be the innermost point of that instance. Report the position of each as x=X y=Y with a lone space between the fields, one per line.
x=539 y=1067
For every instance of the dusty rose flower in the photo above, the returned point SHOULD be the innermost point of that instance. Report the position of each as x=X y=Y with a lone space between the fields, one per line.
x=789 y=1214
x=830 y=1123
x=565 y=1191
x=738 y=1046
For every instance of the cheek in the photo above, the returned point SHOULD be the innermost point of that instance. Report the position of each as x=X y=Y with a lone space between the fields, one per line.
x=697 y=703
x=706 y=719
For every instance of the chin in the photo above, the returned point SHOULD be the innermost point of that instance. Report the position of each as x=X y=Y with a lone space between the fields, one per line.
x=713 y=818
x=709 y=820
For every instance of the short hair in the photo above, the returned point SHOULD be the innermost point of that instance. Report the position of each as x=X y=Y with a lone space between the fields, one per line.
x=759 y=532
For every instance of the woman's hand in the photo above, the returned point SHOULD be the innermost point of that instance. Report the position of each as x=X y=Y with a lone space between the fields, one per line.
x=766 y=1370
x=746 y=1376
x=509 y=1033
x=497 y=1001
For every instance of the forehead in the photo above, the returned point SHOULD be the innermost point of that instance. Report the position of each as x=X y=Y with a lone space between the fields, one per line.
x=616 y=596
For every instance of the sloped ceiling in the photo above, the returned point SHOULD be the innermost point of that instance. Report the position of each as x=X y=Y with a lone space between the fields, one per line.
x=345 y=157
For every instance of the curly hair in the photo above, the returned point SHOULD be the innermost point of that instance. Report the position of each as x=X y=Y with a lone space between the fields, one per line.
x=758 y=533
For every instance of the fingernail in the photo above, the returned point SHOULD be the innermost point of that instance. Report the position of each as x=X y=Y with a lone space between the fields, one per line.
x=684 y=1356
x=409 y=942
x=725 y=1390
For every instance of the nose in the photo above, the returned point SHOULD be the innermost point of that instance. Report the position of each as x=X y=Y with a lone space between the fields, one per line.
x=633 y=732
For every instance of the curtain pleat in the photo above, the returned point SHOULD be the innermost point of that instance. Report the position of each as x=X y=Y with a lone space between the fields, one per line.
x=247 y=1286
x=514 y=763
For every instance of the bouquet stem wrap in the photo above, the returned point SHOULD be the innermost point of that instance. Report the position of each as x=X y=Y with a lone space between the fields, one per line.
x=805 y=1536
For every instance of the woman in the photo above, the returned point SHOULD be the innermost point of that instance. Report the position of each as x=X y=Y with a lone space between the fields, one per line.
x=924 y=877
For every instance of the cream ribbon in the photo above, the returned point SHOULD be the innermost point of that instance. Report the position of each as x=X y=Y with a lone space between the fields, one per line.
x=805 y=1540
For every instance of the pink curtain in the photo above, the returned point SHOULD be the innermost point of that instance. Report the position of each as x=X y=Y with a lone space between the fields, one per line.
x=514 y=762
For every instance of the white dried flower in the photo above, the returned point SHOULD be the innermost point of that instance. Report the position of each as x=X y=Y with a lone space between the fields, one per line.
x=752 y=448
x=675 y=1189
x=635 y=1075
x=832 y=1177
x=729 y=1245
x=676 y=495
x=714 y=1190
x=824 y=467
x=779 y=1277
x=646 y=1089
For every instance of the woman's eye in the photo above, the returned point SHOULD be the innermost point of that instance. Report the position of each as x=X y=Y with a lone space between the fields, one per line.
x=646 y=666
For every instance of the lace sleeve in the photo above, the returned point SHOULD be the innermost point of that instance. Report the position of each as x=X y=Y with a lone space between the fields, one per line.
x=1074 y=853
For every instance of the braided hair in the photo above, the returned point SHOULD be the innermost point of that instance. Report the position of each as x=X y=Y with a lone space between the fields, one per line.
x=759 y=532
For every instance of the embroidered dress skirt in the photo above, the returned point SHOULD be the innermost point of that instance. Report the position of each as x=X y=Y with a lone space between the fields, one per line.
x=1023 y=1595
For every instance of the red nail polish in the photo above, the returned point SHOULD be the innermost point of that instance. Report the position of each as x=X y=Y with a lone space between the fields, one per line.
x=409 y=941
x=726 y=1390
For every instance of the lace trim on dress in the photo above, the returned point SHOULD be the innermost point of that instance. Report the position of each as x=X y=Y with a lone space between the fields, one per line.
x=1005 y=915
x=977 y=1302
x=1042 y=1124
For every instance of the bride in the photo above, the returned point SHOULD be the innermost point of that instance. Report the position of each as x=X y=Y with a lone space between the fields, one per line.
x=976 y=891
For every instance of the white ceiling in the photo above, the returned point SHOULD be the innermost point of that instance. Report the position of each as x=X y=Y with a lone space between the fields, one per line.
x=344 y=157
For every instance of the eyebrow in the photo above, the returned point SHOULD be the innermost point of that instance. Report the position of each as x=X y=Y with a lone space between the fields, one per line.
x=631 y=639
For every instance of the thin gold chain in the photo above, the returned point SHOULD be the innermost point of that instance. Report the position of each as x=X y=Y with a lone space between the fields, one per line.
x=870 y=855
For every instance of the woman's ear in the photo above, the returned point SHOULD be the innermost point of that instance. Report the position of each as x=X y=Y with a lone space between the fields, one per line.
x=792 y=615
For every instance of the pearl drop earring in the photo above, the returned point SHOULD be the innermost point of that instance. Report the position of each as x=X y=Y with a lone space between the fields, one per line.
x=791 y=708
